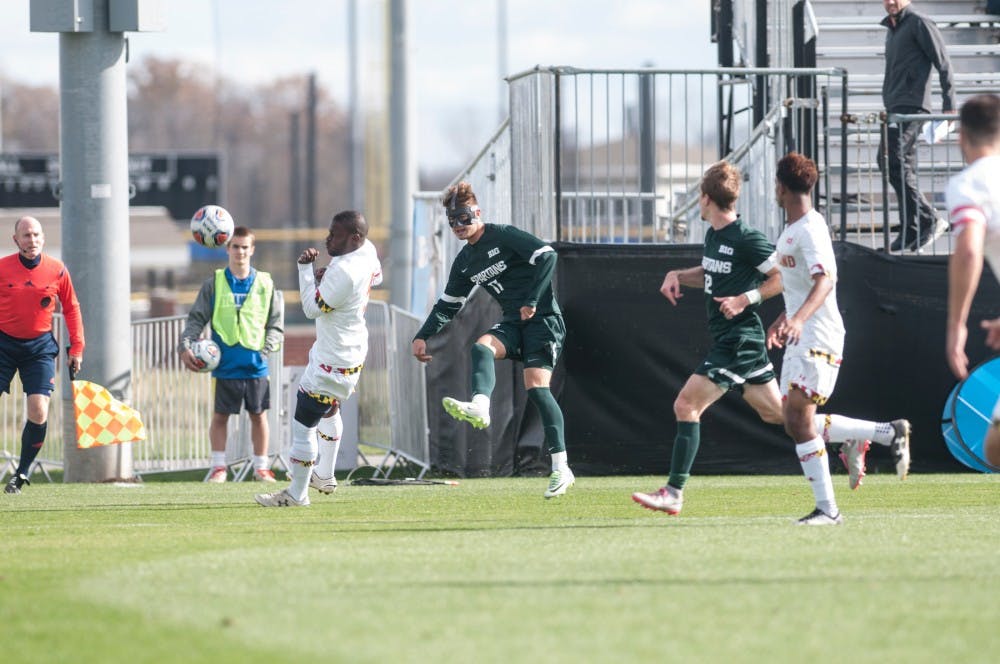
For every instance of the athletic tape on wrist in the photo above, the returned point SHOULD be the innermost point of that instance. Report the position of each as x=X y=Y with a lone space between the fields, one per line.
x=753 y=296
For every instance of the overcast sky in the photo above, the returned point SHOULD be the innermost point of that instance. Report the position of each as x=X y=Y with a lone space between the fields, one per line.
x=454 y=55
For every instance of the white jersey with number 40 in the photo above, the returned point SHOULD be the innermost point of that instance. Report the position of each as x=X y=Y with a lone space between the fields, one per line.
x=804 y=250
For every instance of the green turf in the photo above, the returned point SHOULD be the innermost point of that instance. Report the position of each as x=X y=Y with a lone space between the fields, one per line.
x=488 y=571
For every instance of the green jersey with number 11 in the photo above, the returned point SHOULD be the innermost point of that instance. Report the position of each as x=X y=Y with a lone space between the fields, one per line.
x=513 y=266
x=736 y=259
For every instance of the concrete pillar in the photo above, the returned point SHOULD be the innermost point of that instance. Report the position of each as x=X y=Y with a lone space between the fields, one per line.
x=93 y=147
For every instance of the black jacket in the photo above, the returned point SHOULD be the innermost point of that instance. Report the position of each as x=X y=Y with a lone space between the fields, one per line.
x=911 y=47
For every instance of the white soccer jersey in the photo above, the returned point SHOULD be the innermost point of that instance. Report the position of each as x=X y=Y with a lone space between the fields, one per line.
x=973 y=197
x=338 y=306
x=804 y=250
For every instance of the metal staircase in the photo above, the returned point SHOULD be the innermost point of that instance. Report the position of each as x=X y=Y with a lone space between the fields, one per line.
x=850 y=36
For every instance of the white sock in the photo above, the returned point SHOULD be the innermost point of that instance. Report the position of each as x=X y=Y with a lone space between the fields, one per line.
x=300 y=479
x=839 y=429
x=328 y=435
x=302 y=455
x=218 y=458
x=559 y=461
x=816 y=467
x=884 y=433
x=259 y=461
x=482 y=402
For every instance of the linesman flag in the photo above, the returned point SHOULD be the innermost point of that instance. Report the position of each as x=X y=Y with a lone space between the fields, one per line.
x=101 y=419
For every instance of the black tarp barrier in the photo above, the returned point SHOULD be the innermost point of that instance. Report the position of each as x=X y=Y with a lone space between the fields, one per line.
x=629 y=351
x=513 y=441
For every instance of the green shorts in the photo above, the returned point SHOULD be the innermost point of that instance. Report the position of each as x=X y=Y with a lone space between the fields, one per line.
x=537 y=342
x=739 y=357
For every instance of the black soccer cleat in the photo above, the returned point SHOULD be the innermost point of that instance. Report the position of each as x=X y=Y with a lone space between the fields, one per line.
x=15 y=483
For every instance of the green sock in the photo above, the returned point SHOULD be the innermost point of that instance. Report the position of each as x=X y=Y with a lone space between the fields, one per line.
x=552 y=418
x=685 y=450
x=484 y=377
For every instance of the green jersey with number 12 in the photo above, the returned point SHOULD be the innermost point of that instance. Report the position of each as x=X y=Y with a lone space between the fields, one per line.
x=736 y=259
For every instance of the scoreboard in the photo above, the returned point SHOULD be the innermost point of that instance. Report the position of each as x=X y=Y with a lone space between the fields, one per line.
x=180 y=182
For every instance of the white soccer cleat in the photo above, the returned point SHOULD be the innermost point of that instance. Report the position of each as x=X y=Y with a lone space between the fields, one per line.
x=326 y=486
x=665 y=499
x=820 y=518
x=853 y=453
x=467 y=411
x=900 y=447
x=280 y=499
x=559 y=482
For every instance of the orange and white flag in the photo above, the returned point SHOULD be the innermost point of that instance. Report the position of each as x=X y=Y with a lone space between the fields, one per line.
x=101 y=419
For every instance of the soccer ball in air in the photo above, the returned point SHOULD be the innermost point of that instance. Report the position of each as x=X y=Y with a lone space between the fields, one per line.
x=207 y=352
x=212 y=226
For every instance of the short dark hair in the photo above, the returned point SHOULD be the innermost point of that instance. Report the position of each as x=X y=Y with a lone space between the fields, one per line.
x=721 y=183
x=353 y=220
x=980 y=117
x=797 y=172
x=243 y=231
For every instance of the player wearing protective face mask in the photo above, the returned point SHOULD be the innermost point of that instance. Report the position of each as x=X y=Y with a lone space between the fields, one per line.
x=516 y=269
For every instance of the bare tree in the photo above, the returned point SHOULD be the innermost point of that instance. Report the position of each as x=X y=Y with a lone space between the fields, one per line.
x=30 y=118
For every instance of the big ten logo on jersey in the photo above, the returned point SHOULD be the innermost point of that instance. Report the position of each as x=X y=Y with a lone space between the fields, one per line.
x=786 y=260
x=723 y=249
x=493 y=252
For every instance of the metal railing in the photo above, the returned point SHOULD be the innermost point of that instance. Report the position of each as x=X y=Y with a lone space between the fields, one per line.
x=599 y=156
x=489 y=173
x=618 y=155
x=176 y=406
x=872 y=208
x=392 y=407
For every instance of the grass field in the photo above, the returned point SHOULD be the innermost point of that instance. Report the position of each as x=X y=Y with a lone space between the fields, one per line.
x=490 y=572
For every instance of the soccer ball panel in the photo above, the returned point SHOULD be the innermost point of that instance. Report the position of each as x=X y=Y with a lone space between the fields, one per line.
x=212 y=226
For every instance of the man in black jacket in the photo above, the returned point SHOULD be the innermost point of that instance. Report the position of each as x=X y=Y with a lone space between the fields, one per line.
x=913 y=44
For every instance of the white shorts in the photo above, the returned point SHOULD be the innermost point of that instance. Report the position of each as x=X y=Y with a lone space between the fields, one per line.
x=319 y=380
x=814 y=374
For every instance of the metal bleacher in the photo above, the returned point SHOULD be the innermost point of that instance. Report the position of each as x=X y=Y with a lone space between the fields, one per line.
x=849 y=35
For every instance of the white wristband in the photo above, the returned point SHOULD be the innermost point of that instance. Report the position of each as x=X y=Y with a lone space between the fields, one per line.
x=753 y=296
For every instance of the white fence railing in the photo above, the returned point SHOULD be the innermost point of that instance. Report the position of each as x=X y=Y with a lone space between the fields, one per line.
x=392 y=407
x=176 y=405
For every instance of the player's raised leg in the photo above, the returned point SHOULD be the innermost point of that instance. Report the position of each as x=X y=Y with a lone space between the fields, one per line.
x=477 y=412
x=856 y=434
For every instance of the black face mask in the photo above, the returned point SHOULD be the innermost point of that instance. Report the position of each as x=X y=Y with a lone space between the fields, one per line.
x=461 y=216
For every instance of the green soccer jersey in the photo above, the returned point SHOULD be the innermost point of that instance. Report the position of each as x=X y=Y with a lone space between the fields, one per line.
x=736 y=259
x=513 y=266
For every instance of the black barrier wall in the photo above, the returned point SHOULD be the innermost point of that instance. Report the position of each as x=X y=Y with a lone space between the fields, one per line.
x=629 y=351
